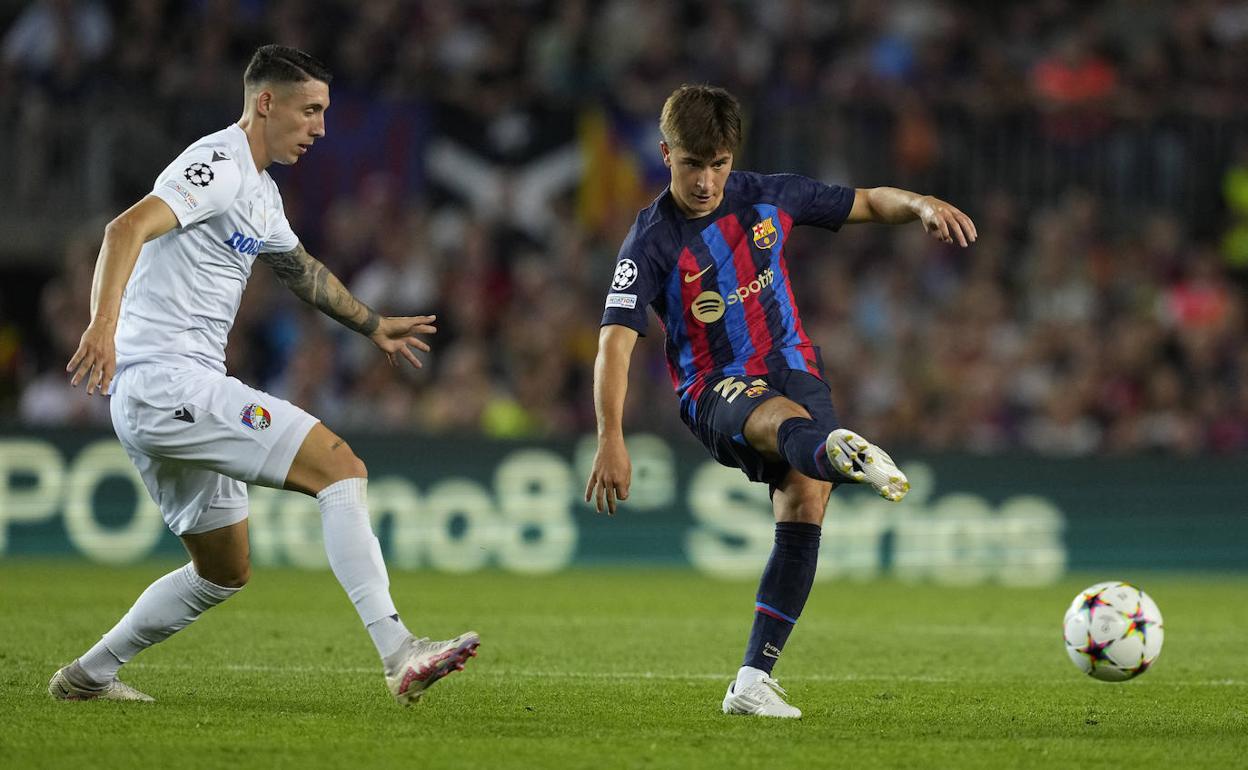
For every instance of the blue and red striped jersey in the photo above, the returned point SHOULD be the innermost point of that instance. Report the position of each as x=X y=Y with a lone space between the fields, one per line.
x=719 y=283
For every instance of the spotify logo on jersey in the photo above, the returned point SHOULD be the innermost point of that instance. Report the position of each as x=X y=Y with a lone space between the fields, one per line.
x=708 y=307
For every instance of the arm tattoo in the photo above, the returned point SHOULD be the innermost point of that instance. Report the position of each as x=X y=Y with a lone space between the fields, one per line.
x=312 y=282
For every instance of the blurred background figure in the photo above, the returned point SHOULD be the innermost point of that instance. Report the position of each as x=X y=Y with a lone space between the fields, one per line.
x=488 y=158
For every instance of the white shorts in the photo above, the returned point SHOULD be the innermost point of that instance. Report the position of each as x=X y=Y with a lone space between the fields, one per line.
x=199 y=437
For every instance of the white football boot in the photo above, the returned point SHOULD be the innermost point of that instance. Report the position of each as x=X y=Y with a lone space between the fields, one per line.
x=425 y=662
x=866 y=463
x=763 y=698
x=70 y=683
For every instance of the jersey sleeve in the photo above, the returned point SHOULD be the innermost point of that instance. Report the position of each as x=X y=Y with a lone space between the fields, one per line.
x=634 y=285
x=280 y=237
x=814 y=203
x=196 y=187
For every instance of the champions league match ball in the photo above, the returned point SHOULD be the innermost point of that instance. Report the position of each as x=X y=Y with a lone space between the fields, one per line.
x=1113 y=631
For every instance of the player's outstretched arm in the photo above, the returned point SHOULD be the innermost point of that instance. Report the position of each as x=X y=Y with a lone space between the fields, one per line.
x=612 y=470
x=96 y=356
x=312 y=282
x=889 y=205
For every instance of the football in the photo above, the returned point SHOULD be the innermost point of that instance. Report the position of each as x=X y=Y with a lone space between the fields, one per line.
x=1113 y=631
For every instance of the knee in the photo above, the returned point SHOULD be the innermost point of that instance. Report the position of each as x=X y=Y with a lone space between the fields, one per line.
x=764 y=422
x=784 y=411
x=227 y=575
x=805 y=502
x=239 y=577
x=350 y=466
x=806 y=512
x=342 y=464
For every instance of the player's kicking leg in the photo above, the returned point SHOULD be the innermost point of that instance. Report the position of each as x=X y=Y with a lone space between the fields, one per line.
x=782 y=428
x=326 y=467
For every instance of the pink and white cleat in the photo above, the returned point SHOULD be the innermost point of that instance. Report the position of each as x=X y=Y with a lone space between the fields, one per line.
x=426 y=661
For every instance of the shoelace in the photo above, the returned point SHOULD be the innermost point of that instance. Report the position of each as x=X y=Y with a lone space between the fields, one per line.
x=774 y=686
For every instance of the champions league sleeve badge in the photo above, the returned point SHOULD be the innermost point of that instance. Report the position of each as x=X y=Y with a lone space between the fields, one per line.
x=198 y=174
x=625 y=274
x=256 y=417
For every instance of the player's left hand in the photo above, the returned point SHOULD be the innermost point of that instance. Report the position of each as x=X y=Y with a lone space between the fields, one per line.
x=396 y=336
x=945 y=222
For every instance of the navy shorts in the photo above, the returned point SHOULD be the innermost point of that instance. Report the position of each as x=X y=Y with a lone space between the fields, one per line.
x=725 y=405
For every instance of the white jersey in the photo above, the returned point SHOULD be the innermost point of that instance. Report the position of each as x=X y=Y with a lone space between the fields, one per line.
x=182 y=298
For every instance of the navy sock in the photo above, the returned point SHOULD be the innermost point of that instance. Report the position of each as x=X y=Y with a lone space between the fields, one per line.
x=782 y=592
x=801 y=443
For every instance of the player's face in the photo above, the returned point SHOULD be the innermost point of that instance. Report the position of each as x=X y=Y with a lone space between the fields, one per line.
x=296 y=119
x=697 y=183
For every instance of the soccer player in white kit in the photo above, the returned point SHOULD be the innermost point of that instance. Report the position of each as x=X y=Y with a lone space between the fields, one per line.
x=199 y=436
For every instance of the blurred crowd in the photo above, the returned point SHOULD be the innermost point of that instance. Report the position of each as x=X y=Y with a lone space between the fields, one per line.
x=484 y=160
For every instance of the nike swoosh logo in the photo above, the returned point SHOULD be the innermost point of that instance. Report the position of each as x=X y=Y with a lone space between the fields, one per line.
x=767 y=654
x=691 y=277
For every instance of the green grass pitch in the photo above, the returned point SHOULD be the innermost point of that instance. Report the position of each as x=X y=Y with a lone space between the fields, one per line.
x=622 y=668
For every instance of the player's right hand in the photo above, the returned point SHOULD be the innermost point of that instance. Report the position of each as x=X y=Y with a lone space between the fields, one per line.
x=96 y=357
x=611 y=475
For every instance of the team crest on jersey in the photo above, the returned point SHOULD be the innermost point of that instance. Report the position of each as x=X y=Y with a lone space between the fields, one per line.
x=755 y=391
x=256 y=417
x=765 y=235
x=198 y=174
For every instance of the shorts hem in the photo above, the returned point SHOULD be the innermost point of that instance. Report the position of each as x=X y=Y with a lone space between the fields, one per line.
x=277 y=465
x=216 y=517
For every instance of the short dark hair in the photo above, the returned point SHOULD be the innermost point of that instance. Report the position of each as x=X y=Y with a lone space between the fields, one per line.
x=702 y=120
x=282 y=64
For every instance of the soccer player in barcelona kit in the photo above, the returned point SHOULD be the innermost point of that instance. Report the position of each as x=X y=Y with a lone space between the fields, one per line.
x=197 y=436
x=708 y=257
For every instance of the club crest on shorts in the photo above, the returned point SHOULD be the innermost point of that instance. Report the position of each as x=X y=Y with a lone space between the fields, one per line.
x=764 y=234
x=256 y=417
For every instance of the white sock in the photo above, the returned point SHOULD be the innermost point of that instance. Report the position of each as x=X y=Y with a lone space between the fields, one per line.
x=388 y=635
x=355 y=558
x=167 y=606
x=748 y=675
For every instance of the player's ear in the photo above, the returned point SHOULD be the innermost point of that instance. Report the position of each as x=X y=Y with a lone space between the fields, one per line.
x=667 y=154
x=264 y=102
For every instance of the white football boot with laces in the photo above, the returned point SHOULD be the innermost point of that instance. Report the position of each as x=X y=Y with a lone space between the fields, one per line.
x=71 y=683
x=423 y=662
x=866 y=463
x=763 y=698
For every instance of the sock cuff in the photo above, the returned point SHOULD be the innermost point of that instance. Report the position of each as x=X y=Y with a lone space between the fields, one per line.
x=798 y=531
x=790 y=425
x=345 y=492
x=205 y=590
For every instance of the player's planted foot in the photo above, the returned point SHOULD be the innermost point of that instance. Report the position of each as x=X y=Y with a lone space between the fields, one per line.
x=855 y=457
x=71 y=683
x=763 y=698
x=421 y=662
